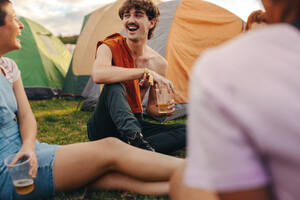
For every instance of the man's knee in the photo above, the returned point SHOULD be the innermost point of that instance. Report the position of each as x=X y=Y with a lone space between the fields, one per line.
x=111 y=94
x=115 y=88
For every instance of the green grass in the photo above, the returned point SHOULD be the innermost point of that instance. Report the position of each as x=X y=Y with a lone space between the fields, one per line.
x=61 y=122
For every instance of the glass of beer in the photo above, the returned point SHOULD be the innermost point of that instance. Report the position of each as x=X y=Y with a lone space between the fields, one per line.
x=19 y=172
x=163 y=98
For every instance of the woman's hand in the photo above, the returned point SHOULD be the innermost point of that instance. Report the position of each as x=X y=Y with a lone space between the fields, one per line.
x=33 y=162
x=27 y=125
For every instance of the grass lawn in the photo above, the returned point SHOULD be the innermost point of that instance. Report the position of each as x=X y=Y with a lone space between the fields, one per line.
x=61 y=122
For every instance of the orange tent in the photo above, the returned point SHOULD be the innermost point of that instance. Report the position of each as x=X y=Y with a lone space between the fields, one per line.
x=196 y=26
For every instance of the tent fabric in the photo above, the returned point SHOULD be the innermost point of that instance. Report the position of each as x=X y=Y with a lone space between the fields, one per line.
x=86 y=54
x=197 y=25
x=91 y=90
x=161 y=32
x=91 y=94
x=96 y=26
x=43 y=61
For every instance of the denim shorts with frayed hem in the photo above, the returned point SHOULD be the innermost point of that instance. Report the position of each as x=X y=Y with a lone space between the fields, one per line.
x=10 y=142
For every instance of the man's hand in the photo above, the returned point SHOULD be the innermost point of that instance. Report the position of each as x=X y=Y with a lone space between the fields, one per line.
x=160 y=81
x=171 y=108
x=164 y=98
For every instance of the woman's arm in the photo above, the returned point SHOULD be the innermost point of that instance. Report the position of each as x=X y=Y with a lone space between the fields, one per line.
x=27 y=124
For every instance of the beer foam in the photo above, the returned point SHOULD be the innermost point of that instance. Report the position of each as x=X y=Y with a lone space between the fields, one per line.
x=23 y=182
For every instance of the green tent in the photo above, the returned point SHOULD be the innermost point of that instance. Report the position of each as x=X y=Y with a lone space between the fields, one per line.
x=74 y=84
x=43 y=61
x=96 y=26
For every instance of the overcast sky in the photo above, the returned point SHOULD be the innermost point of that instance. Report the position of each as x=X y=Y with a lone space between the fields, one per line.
x=66 y=16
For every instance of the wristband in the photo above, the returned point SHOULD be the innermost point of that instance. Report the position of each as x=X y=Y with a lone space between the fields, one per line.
x=147 y=76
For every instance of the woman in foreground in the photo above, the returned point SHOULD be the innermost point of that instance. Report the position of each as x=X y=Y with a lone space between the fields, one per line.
x=105 y=164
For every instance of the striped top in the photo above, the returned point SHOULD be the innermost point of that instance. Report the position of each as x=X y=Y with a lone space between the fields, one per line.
x=10 y=68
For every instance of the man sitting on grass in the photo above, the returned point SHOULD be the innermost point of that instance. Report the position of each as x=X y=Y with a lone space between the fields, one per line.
x=127 y=66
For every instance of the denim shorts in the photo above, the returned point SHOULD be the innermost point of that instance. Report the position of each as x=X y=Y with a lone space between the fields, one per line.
x=10 y=142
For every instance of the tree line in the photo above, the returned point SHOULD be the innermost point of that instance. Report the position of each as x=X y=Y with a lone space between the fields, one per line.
x=68 y=39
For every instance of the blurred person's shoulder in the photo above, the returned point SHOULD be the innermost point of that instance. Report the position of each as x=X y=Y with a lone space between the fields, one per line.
x=250 y=56
x=251 y=48
x=257 y=39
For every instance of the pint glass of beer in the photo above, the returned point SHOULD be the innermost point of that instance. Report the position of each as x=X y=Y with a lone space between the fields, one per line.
x=163 y=98
x=19 y=172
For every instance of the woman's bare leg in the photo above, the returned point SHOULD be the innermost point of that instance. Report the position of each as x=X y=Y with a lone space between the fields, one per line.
x=146 y=165
x=117 y=181
x=77 y=165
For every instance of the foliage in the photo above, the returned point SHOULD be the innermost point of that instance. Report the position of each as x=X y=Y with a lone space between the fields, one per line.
x=69 y=39
x=61 y=122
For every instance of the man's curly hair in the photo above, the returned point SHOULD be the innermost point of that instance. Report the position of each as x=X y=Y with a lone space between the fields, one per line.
x=148 y=6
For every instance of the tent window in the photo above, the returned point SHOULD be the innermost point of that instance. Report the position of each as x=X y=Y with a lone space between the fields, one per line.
x=49 y=44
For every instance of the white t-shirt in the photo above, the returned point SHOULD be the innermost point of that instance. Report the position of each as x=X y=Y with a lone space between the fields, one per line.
x=10 y=68
x=244 y=114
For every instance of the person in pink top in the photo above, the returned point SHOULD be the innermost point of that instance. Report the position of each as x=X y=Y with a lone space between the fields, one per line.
x=243 y=127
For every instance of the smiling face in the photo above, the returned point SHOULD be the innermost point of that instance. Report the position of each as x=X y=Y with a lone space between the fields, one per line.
x=146 y=7
x=10 y=30
x=137 y=24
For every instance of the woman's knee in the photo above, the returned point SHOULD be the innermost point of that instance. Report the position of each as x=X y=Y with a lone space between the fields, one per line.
x=110 y=141
x=114 y=145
